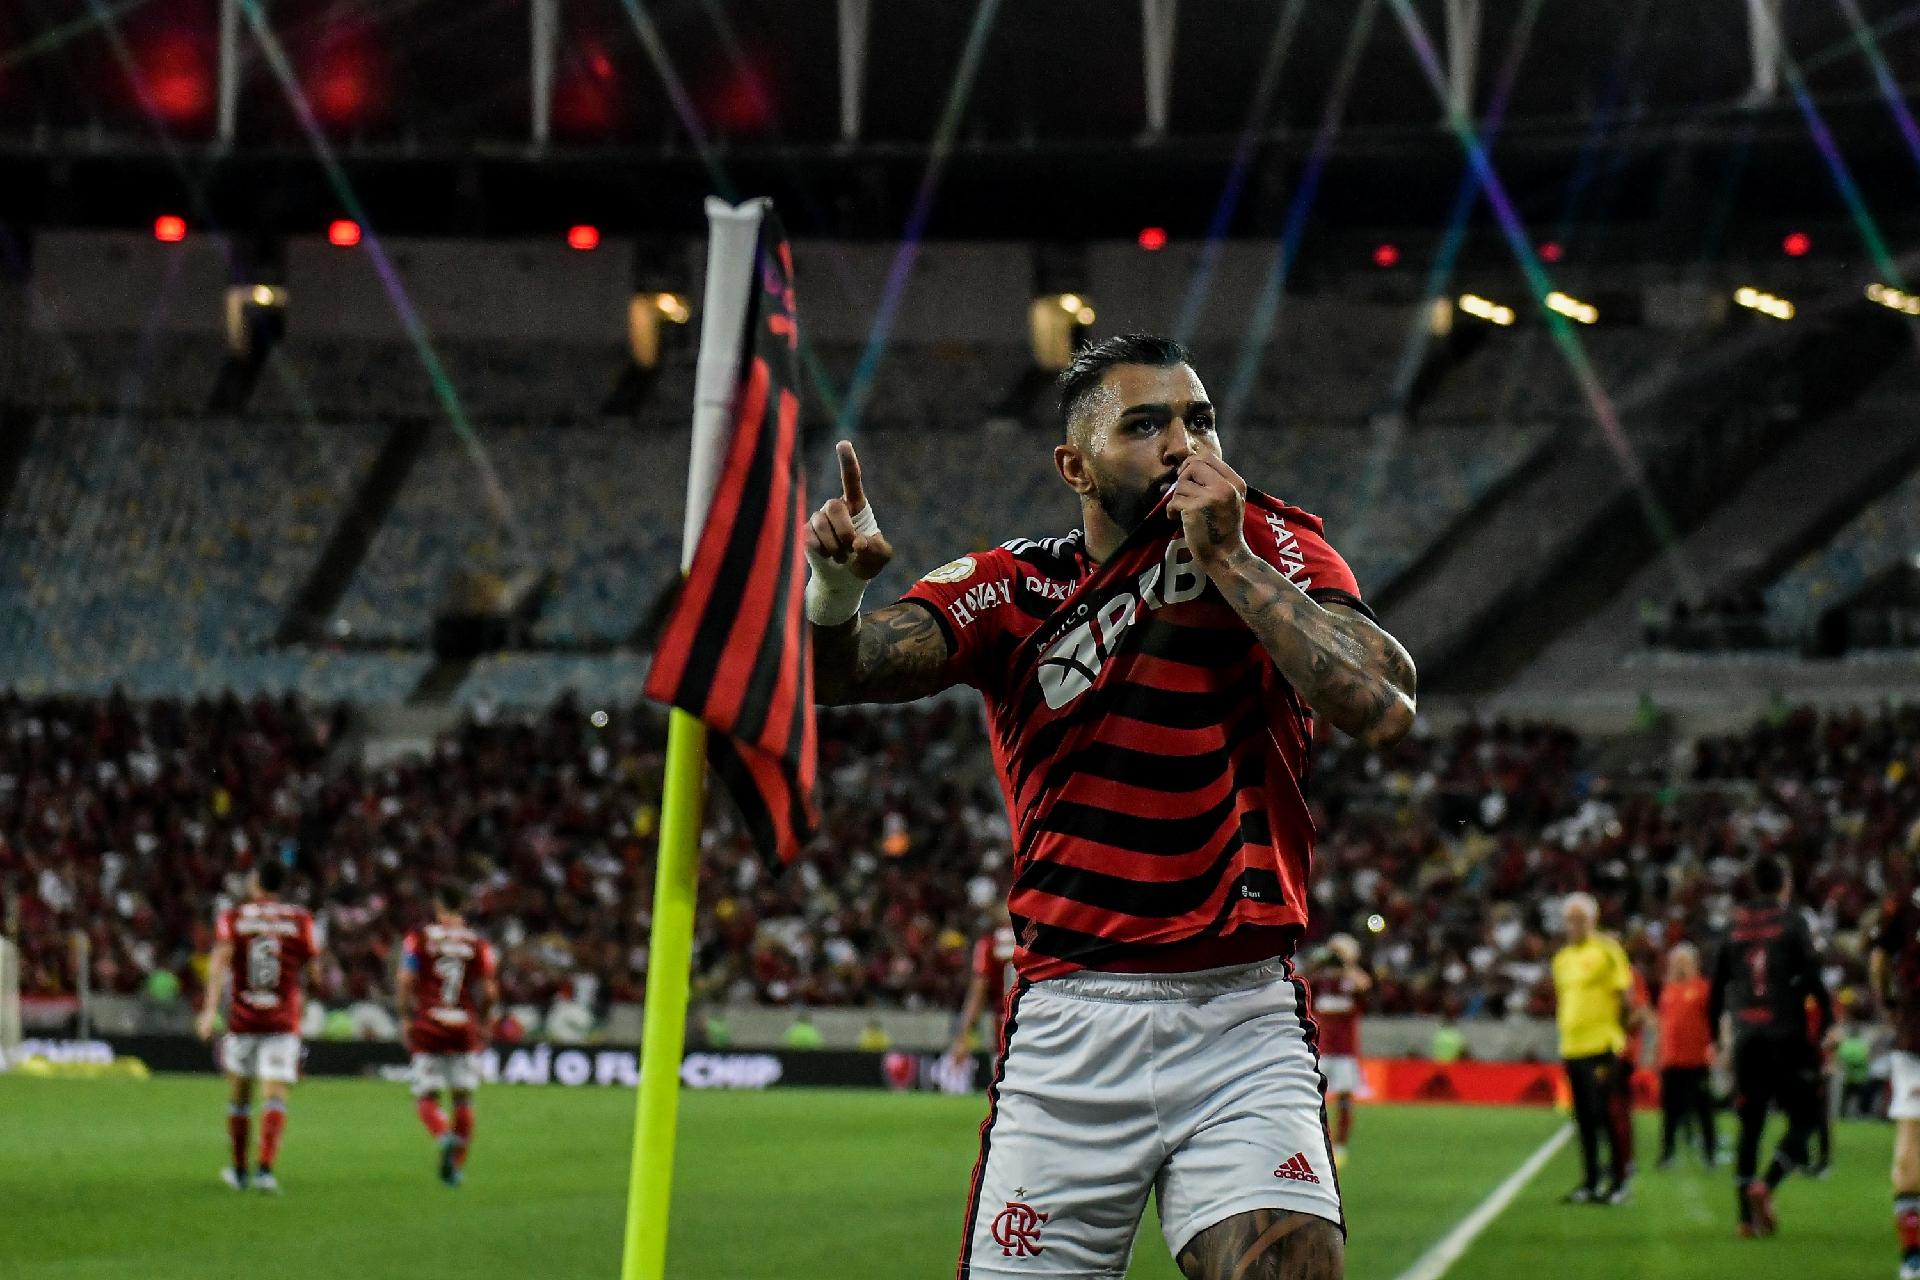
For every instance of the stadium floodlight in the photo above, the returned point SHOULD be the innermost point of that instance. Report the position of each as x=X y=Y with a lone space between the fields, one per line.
x=1571 y=307
x=1767 y=304
x=1071 y=303
x=673 y=307
x=1483 y=309
x=1894 y=299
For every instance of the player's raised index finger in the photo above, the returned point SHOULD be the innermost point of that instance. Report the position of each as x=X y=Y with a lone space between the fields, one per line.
x=850 y=486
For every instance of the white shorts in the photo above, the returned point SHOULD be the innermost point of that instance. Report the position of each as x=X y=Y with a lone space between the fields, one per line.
x=274 y=1058
x=1906 y=1087
x=1199 y=1087
x=432 y=1072
x=1342 y=1071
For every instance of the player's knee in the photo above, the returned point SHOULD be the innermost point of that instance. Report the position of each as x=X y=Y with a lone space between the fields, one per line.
x=1314 y=1251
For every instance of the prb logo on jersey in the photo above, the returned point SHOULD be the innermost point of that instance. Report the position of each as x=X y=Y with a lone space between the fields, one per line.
x=1071 y=664
x=1016 y=1228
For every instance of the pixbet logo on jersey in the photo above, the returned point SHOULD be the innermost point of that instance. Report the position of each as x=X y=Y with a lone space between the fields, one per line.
x=1072 y=663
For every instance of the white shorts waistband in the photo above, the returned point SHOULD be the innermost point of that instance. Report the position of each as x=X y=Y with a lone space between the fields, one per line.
x=1138 y=988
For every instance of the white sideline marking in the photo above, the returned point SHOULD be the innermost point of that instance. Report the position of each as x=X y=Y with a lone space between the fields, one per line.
x=1433 y=1264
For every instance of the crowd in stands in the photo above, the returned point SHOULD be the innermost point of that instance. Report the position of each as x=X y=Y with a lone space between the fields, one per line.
x=132 y=821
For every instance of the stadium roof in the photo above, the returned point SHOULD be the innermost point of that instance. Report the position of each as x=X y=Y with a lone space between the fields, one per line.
x=1099 y=113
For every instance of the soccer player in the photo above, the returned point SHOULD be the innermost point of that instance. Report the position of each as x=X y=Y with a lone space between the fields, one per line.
x=1762 y=978
x=992 y=977
x=1593 y=986
x=1340 y=986
x=1894 y=968
x=1150 y=680
x=1686 y=1056
x=445 y=996
x=274 y=941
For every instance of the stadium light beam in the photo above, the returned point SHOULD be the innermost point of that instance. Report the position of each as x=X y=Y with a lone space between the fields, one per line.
x=281 y=68
x=1599 y=403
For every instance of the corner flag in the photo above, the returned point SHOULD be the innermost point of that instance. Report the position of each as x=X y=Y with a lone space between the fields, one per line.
x=735 y=650
x=734 y=654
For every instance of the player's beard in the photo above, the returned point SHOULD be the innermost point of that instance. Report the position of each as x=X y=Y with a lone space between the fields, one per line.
x=1127 y=506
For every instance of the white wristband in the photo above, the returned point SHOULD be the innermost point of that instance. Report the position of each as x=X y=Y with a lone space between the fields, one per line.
x=834 y=590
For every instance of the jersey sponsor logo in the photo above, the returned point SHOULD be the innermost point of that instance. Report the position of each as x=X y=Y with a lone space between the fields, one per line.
x=1047 y=590
x=1292 y=560
x=1072 y=663
x=952 y=571
x=1016 y=1228
x=979 y=599
x=1296 y=1169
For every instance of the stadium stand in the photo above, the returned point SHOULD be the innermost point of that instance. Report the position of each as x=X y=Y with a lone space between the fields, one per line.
x=1881 y=537
x=1452 y=847
x=158 y=553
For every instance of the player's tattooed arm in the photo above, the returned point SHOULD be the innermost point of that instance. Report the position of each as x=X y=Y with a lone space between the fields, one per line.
x=895 y=654
x=1346 y=667
x=1266 y=1244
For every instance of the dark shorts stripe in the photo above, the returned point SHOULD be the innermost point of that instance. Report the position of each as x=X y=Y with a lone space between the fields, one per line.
x=1312 y=1033
x=965 y=1266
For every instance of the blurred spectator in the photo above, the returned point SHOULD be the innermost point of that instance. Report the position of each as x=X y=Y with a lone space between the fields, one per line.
x=1449 y=1044
x=802 y=1034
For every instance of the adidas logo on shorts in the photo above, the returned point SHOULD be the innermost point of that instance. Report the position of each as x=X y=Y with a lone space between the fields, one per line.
x=1297 y=1169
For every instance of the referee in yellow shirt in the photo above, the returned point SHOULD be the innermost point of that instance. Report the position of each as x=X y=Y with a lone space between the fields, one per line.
x=1593 y=984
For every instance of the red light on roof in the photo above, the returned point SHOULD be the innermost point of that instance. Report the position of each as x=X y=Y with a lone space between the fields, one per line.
x=343 y=232
x=1551 y=251
x=1153 y=239
x=1386 y=255
x=169 y=228
x=583 y=237
x=1796 y=244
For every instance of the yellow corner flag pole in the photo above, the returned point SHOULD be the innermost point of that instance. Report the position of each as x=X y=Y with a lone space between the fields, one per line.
x=732 y=238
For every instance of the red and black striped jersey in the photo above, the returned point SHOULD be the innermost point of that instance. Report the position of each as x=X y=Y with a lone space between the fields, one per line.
x=1153 y=759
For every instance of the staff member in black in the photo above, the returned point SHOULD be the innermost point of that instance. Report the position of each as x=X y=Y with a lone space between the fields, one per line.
x=1763 y=976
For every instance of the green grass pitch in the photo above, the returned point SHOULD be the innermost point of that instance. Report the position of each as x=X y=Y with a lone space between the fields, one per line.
x=118 y=1179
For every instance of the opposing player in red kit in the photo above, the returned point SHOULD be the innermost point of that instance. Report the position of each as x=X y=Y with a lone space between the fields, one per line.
x=445 y=995
x=1340 y=987
x=273 y=942
x=1150 y=680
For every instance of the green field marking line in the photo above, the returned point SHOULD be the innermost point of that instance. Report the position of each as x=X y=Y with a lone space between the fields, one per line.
x=1446 y=1251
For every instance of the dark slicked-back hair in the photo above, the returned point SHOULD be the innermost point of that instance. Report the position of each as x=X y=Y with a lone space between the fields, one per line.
x=272 y=875
x=1078 y=380
x=1767 y=875
x=451 y=897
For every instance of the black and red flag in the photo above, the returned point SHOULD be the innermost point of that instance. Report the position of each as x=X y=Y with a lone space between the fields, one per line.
x=735 y=650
